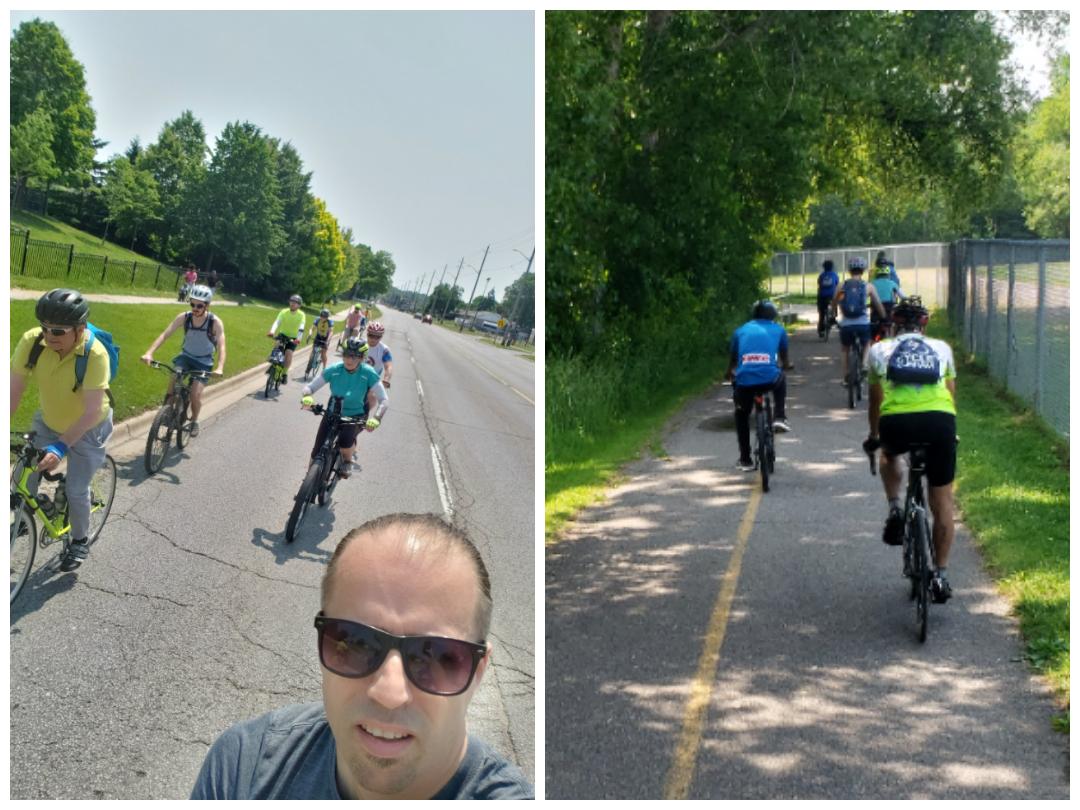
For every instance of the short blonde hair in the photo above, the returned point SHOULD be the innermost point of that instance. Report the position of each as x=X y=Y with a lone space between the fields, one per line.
x=425 y=534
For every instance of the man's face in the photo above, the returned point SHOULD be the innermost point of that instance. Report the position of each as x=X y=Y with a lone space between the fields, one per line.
x=62 y=343
x=376 y=585
x=294 y=305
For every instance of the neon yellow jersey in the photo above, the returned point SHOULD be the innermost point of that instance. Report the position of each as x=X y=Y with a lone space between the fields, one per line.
x=290 y=323
x=322 y=327
x=55 y=377
x=907 y=398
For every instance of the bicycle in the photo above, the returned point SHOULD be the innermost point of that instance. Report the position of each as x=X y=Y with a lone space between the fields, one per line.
x=829 y=321
x=764 y=452
x=276 y=373
x=324 y=472
x=856 y=374
x=919 y=555
x=314 y=361
x=172 y=418
x=52 y=512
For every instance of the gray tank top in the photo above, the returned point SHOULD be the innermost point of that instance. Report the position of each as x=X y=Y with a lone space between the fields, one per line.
x=197 y=342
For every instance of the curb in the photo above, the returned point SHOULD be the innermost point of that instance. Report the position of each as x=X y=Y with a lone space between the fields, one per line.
x=136 y=427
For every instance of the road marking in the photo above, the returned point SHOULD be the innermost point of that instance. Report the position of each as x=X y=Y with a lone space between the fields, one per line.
x=419 y=389
x=682 y=768
x=440 y=480
x=504 y=382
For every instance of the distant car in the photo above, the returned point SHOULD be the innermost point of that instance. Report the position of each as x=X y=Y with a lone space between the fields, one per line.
x=416 y=315
x=427 y=318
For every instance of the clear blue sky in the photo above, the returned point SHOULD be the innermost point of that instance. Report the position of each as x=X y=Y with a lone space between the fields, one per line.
x=418 y=126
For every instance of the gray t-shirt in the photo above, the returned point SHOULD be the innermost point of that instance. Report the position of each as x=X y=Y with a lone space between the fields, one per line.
x=290 y=754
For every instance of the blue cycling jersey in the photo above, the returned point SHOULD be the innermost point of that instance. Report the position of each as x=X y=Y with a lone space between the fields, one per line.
x=826 y=283
x=352 y=386
x=756 y=347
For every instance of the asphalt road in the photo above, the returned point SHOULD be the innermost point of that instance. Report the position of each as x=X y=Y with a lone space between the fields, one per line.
x=192 y=613
x=820 y=689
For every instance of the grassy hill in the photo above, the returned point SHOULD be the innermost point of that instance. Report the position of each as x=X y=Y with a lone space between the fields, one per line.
x=54 y=230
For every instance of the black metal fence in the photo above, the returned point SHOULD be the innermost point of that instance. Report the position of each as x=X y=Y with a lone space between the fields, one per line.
x=40 y=258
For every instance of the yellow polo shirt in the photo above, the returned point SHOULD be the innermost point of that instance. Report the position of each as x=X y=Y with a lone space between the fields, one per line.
x=55 y=377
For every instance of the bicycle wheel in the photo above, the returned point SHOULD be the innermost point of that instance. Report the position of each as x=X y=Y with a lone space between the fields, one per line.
x=762 y=450
x=327 y=473
x=102 y=492
x=183 y=427
x=23 y=546
x=303 y=500
x=852 y=376
x=157 y=443
x=279 y=375
x=922 y=571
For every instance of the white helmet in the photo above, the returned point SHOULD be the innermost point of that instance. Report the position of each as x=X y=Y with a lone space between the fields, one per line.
x=201 y=292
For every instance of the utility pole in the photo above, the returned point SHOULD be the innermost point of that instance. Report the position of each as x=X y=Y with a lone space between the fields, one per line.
x=452 y=288
x=427 y=295
x=419 y=281
x=478 y=274
x=440 y=283
x=507 y=338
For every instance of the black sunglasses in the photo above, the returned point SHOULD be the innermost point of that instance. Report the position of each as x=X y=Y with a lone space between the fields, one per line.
x=197 y=306
x=57 y=331
x=436 y=665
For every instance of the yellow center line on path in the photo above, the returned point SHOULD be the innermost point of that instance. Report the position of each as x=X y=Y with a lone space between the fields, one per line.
x=504 y=382
x=682 y=768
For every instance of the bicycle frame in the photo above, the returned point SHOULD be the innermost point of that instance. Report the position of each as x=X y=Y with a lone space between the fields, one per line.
x=56 y=528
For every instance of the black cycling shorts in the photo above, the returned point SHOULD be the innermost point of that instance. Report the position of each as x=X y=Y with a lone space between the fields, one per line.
x=290 y=343
x=346 y=436
x=935 y=428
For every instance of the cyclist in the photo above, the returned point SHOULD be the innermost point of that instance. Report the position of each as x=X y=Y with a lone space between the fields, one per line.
x=913 y=398
x=851 y=300
x=191 y=275
x=73 y=422
x=290 y=325
x=322 y=330
x=354 y=322
x=203 y=333
x=359 y=384
x=759 y=355
x=889 y=293
x=826 y=289
x=880 y=261
x=378 y=355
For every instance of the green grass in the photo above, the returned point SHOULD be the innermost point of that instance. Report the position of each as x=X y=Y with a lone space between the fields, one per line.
x=1012 y=487
x=134 y=327
x=602 y=414
x=53 y=230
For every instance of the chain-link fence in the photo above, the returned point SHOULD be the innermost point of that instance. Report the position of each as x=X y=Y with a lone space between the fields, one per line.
x=1009 y=302
x=923 y=269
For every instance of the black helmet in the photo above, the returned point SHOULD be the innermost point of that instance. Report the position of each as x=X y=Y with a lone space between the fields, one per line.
x=765 y=310
x=324 y=313
x=62 y=307
x=357 y=347
x=880 y=261
x=911 y=312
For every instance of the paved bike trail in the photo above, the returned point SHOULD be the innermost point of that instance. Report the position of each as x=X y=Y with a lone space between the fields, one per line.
x=821 y=689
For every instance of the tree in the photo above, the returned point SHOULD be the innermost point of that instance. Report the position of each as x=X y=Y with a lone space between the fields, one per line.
x=1043 y=158
x=683 y=148
x=177 y=160
x=519 y=303
x=31 y=155
x=241 y=223
x=445 y=298
x=320 y=273
x=376 y=269
x=45 y=75
x=131 y=198
x=484 y=303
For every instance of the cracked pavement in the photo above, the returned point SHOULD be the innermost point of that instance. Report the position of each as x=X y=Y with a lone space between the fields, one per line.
x=192 y=613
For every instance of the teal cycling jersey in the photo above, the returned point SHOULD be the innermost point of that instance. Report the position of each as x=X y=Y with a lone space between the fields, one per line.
x=353 y=388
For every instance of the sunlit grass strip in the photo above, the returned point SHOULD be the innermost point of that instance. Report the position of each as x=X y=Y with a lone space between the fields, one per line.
x=1012 y=486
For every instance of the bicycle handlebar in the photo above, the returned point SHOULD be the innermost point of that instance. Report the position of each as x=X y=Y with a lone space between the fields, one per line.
x=30 y=453
x=201 y=375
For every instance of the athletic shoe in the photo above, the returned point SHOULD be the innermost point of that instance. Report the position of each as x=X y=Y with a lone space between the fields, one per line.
x=781 y=425
x=194 y=428
x=746 y=465
x=893 y=535
x=74 y=555
x=940 y=588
